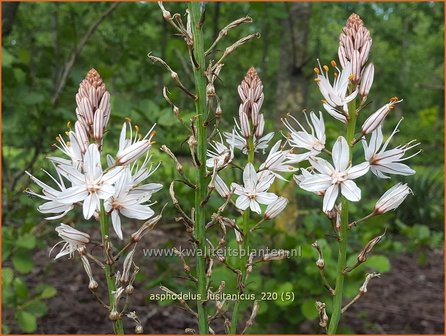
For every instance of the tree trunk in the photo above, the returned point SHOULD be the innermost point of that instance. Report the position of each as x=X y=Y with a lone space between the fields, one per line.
x=292 y=83
x=292 y=88
x=9 y=11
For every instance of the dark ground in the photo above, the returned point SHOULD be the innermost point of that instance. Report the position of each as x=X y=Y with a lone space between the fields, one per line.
x=410 y=302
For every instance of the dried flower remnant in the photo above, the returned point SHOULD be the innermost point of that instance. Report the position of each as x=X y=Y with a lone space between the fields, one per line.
x=73 y=240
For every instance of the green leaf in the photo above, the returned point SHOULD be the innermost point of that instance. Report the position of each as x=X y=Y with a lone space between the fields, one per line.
x=37 y=308
x=48 y=292
x=32 y=98
x=285 y=294
x=20 y=288
x=27 y=241
x=7 y=57
x=167 y=118
x=7 y=276
x=23 y=262
x=308 y=309
x=379 y=263
x=26 y=321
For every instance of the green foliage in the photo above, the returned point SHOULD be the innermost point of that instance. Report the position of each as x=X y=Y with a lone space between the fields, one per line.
x=408 y=56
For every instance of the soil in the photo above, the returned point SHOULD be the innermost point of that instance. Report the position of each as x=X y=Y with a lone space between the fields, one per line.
x=411 y=301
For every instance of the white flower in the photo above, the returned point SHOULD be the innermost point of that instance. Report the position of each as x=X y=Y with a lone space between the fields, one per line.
x=74 y=240
x=235 y=140
x=278 y=161
x=91 y=185
x=51 y=195
x=128 y=200
x=377 y=118
x=336 y=94
x=331 y=180
x=275 y=208
x=392 y=198
x=387 y=161
x=219 y=155
x=74 y=149
x=133 y=148
x=314 y=142
x=254 y=189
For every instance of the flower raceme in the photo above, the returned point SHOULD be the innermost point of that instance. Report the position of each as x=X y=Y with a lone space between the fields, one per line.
x=334 y=179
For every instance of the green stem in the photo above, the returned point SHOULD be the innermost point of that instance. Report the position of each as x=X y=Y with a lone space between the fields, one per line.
x=201 y=180
x=244 y=261
x=342 y=255
x=111 y=286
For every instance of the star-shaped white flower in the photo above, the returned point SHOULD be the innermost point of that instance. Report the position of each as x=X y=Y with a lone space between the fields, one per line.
x=332 y=180
x=254 y=189
x=278 y=161
x=335 y=94
x=383 y=161
x=313 y=141
x=91 y=185
x=51 y=195
x=220 y=155
x=128 y=200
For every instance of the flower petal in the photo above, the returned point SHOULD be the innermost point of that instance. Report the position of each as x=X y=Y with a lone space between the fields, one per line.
x=351 y=191
x=242 y=202
x=116 y=221
x=330 y=197
x=340 y=154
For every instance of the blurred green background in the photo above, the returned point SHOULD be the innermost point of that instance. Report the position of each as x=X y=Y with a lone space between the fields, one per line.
x=49 y=47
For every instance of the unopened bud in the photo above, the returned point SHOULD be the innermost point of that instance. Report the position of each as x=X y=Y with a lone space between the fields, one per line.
x=377 y=118
x=392 y=198
x=146 y=227
x=367 y=80
x=275 y=208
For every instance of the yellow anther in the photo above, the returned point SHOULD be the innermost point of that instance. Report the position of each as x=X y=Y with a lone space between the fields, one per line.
x=127 y=119
x=324 y=101
x=137 y=128
x=316 y=70
x=326 y=68
x=68 y=124
x=139 y=136
x=67 y=132
x=394 y=99
x=152 y=134
x=317 y=80
x=58 y=139
x=333 y=64
x=336 y=74
x=352 y=77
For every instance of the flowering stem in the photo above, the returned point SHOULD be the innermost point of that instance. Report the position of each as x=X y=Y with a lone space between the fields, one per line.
x=342 y=255
x=201 y=180
x=245 y=257
x=111 y=286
